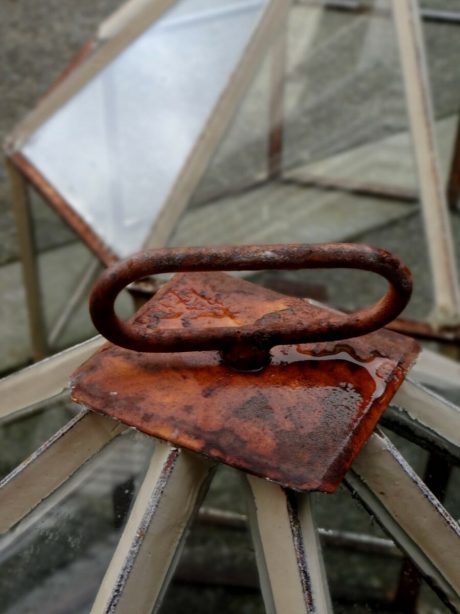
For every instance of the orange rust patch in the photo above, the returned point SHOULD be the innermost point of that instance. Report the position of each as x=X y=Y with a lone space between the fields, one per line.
x=299 y=422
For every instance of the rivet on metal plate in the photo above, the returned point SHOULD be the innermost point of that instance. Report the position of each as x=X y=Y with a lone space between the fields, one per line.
x=270 y=384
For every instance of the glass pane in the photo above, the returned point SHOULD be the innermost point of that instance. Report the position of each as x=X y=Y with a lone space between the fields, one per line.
x=347 y=169
x=346 y=114
x=57 y=243
x=366 y=570
x=115 y=149
x=217 y=569
x=56 y=558
x=22 y=436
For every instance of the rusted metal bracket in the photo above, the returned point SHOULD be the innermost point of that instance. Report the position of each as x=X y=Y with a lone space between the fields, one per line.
x=247 y=346
x=247 y=376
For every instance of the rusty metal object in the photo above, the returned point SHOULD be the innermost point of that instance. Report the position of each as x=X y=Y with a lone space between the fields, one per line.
x=248 y=344
x=426 y=331
x=292 y=287
x=358 y=542
x=300 y=421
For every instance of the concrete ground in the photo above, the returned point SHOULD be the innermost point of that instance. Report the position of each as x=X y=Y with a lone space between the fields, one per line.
x=336 y=127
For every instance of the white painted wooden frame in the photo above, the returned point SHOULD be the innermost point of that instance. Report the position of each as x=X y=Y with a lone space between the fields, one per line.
x=142 y=565
x=408 y=25
x=427 y=417
x=288 y=552
x=24 y=391
x=52 y=464
x=408 y=511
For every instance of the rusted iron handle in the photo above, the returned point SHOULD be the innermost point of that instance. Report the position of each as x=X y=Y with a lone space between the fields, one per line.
x=258 y=336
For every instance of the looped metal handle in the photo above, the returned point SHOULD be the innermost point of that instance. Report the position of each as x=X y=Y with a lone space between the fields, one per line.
x=326 y=327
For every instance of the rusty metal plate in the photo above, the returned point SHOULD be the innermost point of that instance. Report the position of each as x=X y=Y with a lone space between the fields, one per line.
x=299 y=422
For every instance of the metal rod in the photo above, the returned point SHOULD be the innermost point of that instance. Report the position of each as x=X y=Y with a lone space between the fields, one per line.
x=359 y=542
x=211 y=516
x=426 y=331
x=440 y=16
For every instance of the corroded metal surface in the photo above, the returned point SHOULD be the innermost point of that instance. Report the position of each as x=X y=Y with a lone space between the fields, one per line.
x=300 y=421
x=426 y=331
x=279 y=325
